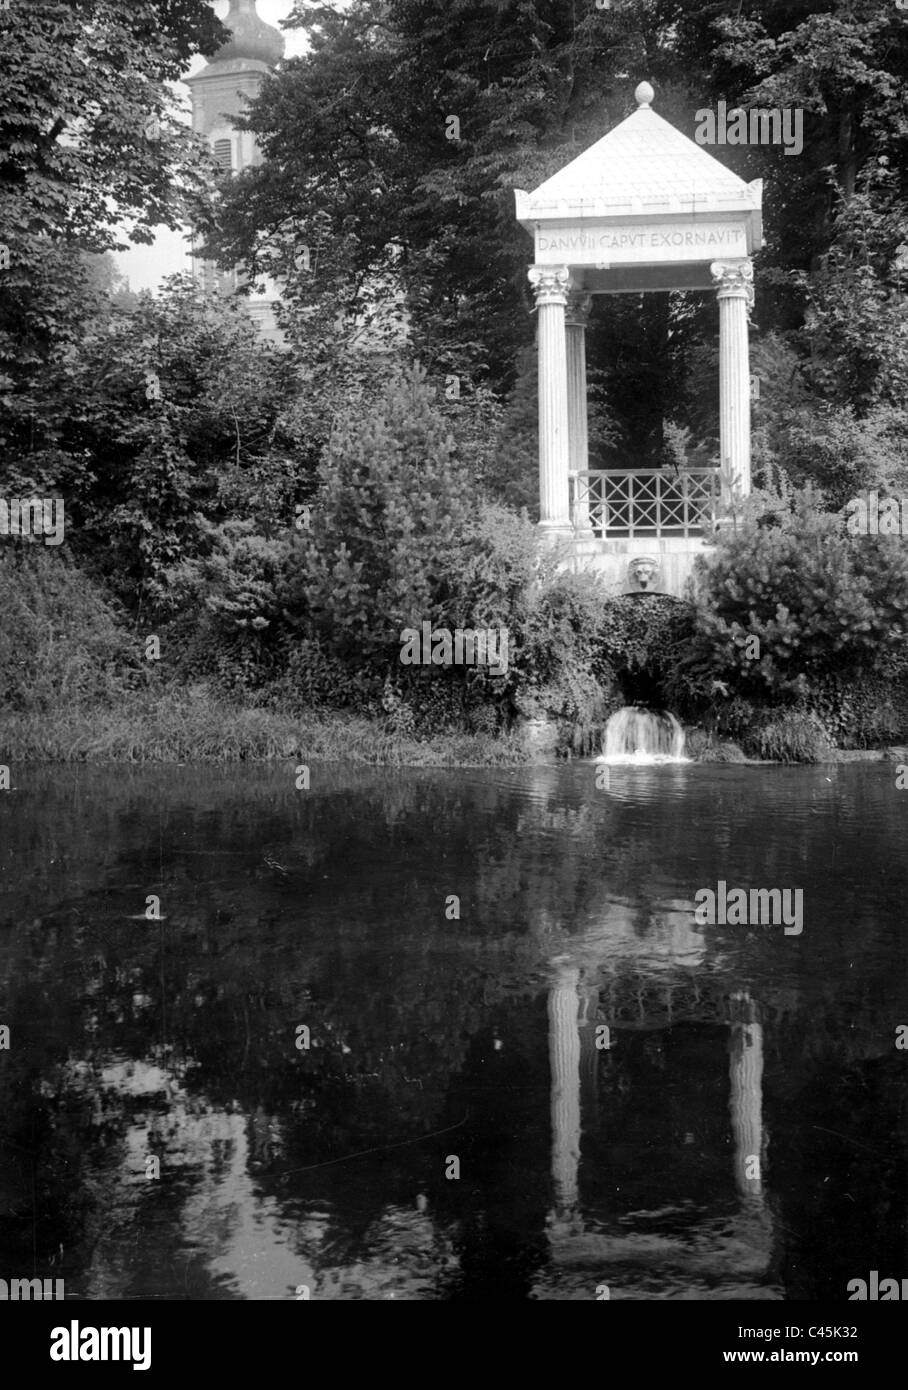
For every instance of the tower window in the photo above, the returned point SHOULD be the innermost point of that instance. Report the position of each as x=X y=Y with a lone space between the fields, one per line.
x=223 y=153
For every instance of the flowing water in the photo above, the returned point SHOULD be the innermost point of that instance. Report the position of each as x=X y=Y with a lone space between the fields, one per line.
x=451 y=1035
x=643 y=736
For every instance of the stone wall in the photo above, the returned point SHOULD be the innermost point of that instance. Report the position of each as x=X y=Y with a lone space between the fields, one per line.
x=642 y=565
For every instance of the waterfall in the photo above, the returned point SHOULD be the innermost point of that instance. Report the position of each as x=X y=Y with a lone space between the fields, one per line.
x=638 y=735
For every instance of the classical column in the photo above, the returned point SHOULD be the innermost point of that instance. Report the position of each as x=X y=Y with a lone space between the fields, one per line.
x=550 y=284
x=576 y=319
x=734 y=286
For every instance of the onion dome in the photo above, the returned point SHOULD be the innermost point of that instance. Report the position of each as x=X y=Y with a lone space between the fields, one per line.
x=250 y=36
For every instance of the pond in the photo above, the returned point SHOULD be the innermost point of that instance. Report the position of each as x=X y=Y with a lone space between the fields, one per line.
x=452 y=1035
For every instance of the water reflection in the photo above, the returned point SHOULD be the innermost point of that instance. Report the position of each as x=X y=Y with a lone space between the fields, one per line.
x=164 y=1135
x=564 y=1060
x=621 y=1261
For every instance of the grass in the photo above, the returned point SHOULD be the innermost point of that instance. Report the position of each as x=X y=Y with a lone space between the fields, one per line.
x=707 y=747
x=181 y=728
x=792 y=736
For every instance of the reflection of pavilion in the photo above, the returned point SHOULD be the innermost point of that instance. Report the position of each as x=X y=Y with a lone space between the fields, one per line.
x=734 y=1254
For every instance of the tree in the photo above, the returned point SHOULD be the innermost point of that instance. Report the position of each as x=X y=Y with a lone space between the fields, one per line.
x=168 y=420
x=88 y=140
x=841 y=64
x=393 y=514
x=395 y=144
x=86 y=130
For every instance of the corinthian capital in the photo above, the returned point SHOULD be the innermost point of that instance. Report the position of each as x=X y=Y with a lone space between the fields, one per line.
x=550 y=283
x=578 y=309
x=734 y=280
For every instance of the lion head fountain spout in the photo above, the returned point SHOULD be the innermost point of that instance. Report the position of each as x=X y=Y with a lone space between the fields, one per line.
x=643 y=574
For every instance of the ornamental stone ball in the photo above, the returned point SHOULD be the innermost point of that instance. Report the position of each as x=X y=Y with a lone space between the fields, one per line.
x=644 y=95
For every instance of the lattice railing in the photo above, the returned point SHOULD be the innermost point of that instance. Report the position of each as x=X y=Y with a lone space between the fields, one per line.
x=641 y=1003
x=628 y=502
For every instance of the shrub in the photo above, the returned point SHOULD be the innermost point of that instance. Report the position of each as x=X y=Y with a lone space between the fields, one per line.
x=581 y=646
x=815 y=599
x=315 y=678
x=559 y=672
x=790 y=736
x=705 y=747
x=389 y=524
x=228 y=622
x=61 y=642
x=862 y=711
x=400 y=538
x=643 y=637
x=833 y=449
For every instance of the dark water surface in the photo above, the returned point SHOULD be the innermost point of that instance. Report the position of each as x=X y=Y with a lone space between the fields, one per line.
x=745 y=1135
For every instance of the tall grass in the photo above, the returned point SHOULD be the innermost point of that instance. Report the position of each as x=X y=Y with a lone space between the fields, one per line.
x=177 y=727
x=790 y=736
x=74 y=687
x=62 y=640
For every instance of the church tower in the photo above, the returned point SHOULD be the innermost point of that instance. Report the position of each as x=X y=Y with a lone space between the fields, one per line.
x=219 y=92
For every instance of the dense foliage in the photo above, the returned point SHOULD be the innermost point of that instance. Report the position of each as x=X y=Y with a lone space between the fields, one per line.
x=88 y=142
x=62 y=642
x=279 y=517
x=789 y=597
x=405 y=207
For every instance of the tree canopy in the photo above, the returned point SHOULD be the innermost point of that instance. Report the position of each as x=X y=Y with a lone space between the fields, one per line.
x=88 y=143
x=394 y=145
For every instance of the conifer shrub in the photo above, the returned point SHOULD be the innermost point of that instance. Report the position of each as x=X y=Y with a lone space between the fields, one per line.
x=391 y=522
x=62 y=640
x=789 y=598
x=399 y=538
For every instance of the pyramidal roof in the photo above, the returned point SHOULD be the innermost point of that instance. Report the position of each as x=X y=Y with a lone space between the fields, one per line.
x=645 y=165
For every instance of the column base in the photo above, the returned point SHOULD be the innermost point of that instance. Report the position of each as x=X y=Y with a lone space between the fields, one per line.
x=555 y=529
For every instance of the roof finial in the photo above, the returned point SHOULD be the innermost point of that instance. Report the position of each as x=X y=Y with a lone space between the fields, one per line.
x=644 y=95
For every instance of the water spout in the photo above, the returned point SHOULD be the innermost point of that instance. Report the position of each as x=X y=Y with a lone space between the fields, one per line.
x=636 y=735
